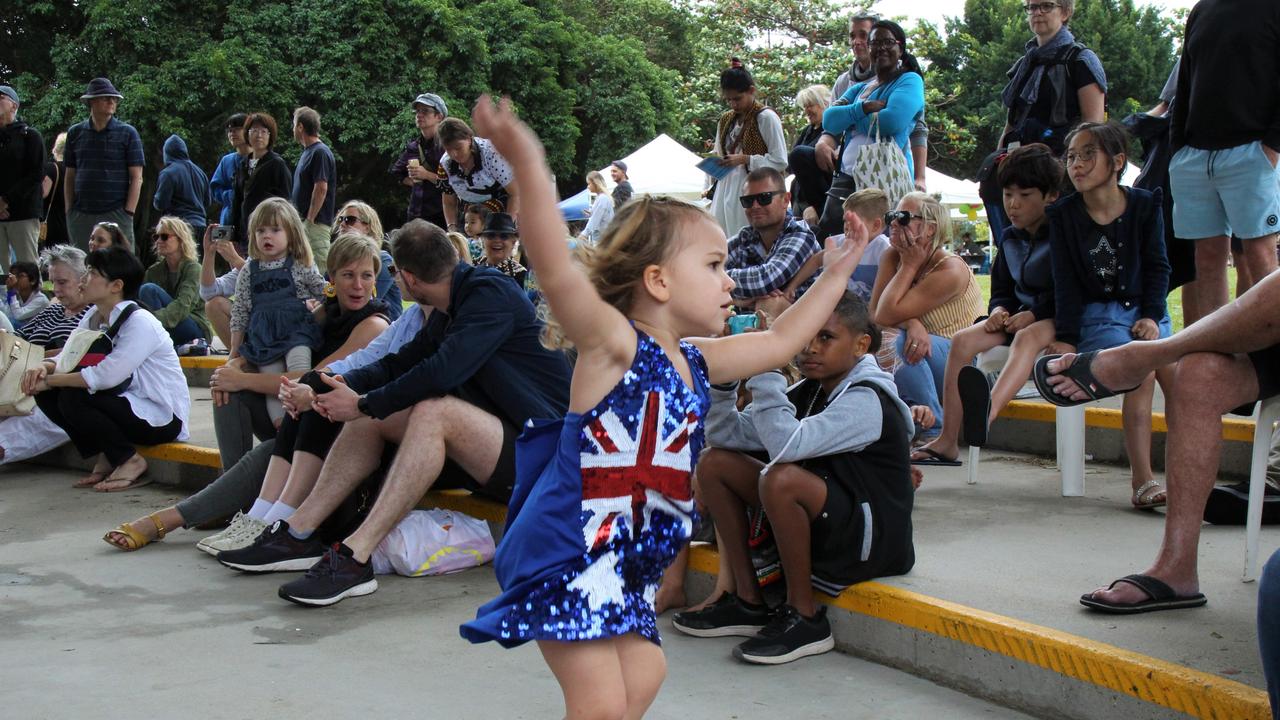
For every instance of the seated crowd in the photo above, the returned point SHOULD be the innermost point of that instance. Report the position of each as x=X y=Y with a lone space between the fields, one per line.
x=338 y=407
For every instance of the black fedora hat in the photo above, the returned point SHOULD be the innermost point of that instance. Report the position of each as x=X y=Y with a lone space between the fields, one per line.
x=499 y=223
x=101 y=87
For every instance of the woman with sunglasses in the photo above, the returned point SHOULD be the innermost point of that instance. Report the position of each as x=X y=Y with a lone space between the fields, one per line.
x=171 y=287
x=357 y=216
x=926 y=291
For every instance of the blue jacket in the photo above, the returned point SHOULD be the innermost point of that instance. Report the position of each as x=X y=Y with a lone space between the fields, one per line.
x=1142 y=267
x=182 y=188
x=904 y=103
x=485 y=349
x=223 y=186
x=1022 y=274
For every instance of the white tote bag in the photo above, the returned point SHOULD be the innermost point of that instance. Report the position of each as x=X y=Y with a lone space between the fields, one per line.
x=17 y=356
x=881 y=164
x=434 y=542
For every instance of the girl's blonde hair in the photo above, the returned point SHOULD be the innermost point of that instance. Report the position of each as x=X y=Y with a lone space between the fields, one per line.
x=595 y=182
x=279 y=212
x=933 y=213
x=643 y=232
x=352 y=247
x=460 y=244
x=365 y=212
x=179 y=227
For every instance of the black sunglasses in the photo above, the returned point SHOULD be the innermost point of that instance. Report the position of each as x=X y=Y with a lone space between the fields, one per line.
x=902 y=217
x=349 y=219
x=763 y=199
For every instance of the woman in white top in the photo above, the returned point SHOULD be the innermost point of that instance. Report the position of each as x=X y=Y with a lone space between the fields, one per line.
x=601 y=209
x=135 y=394
x=748 y=137
x=472 y=172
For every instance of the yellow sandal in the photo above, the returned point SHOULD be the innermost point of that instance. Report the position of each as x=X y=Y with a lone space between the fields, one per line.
x=134 y=539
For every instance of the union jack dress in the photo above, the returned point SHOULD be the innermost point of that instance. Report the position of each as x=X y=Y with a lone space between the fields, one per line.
x=601 y=506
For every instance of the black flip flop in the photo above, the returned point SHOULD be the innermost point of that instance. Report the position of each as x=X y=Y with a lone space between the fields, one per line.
x=1161 y=597
x=975 y=399
x=1080 y=371
x=935 y=458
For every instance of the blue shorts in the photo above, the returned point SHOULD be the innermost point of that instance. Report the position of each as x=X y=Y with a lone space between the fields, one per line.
x=1107 y=325
x=1224 y=192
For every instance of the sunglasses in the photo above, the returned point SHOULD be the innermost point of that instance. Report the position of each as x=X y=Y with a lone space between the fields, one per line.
x=164 y=237
x=350 y=219
x=901 y=217
x=763 y=199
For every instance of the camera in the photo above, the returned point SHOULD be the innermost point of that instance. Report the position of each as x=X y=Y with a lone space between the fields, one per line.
x=223 y=232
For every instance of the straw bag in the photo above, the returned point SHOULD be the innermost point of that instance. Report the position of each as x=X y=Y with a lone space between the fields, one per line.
x=882 y=165
x=17 y=356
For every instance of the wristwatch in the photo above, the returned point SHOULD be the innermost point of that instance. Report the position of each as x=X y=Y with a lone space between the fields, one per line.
x=363 y=406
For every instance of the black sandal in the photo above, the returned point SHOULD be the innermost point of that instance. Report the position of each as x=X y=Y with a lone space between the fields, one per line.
x=1081 y=372
x=975 y=401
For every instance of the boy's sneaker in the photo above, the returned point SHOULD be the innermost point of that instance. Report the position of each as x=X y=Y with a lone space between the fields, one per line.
x=336 y=576
x=275 y=550
x=725 y=617
x=195 y=348
x=240 y=533
x=790 y=636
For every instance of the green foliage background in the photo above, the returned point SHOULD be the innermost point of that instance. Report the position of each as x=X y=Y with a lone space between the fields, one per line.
x=595 y=78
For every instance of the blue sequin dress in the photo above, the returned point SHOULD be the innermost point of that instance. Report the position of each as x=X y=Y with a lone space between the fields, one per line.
x=601 y=506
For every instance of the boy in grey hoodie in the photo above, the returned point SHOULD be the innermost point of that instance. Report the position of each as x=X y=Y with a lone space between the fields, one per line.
x=828 y=459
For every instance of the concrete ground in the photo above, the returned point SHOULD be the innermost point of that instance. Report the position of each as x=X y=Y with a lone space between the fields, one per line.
x=89 y=631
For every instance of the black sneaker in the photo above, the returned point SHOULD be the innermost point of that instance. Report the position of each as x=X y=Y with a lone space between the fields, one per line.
x=275 y=550
x=725 y=617
x=1229 y=505
x=790 y=636
x=336 y=576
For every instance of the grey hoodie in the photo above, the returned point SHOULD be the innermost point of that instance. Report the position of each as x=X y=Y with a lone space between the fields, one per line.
x=851 y=421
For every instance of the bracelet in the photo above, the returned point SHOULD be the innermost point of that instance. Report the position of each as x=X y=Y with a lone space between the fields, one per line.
x=128 y=212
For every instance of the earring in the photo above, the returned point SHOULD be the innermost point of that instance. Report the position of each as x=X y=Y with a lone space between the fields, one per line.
x=330 y=291
x=375 y=291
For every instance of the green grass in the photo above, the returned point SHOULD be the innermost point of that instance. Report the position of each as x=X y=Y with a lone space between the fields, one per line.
x=1174 y=301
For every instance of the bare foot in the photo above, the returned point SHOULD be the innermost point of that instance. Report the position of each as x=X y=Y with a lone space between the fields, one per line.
x=669 y=596
x=917 y=477
x=951 y=451
x=101 y=469
x=1148 y=494
x=1126 y=594
x=1109 y=367
x=714 y=596
x=124 y=476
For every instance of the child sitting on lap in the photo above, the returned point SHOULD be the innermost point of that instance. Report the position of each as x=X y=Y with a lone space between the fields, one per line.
x=1020 y=312
x=837 y=488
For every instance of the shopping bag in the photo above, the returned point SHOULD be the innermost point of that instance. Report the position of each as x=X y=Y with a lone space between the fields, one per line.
x=434 y=542
x=881 y=164
x=17 y=356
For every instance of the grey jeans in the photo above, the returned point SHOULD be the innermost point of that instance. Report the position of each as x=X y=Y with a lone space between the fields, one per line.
x=235 y=489
x=238 y=422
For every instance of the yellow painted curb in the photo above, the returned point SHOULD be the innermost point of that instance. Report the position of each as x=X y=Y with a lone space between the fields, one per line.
x=1232 y=430
x=1148 y=679
x=465 y=502
x=183 y=453
x=203 y=362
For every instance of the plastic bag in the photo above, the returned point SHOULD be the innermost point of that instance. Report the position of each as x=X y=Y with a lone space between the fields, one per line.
x=434 y=542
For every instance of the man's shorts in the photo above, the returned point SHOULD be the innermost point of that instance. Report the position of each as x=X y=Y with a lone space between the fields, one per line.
x=500 y=483
x=1224 y=192
x=1266 y=363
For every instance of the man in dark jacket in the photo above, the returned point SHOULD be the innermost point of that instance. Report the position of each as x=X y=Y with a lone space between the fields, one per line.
x=21 y=172
x=182 y=188
x=453 y=398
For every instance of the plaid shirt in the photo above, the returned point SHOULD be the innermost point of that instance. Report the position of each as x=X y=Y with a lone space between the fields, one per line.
x=101 y=159
x=756 y=273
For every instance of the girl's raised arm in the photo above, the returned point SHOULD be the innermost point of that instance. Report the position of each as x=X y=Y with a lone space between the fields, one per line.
x=588 y=321
x=740 y=356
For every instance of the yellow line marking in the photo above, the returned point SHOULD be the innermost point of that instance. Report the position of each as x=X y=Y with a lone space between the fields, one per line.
x=183 y=453
x=465 y=502
x=203 y=362
x=1151 y=680
x=1110 y=418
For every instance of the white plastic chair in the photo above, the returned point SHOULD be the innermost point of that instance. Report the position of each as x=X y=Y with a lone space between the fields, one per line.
x=1267 y=416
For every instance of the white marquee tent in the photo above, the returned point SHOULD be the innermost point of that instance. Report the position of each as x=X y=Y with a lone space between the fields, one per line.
x=662 y=166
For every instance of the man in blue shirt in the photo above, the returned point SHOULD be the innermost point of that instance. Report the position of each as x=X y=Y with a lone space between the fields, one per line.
x=223 y=184
x=315 y=182
x=104 y=167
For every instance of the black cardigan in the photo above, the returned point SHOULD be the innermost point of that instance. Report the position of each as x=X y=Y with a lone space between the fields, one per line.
x=1142 y=266
x=1022 y=274
x=272 y=178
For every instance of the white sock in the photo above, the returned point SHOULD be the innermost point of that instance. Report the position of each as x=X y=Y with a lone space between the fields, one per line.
x=278 y=511
x=259 y=509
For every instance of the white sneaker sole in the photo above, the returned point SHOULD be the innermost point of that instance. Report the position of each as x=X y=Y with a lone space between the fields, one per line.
x=819 y=647
x=748 y=631
x=364 y=588
x=291 y=565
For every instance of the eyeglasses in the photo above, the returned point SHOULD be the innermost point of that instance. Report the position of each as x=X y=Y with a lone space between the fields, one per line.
x=259 y=131
x=901 y=217
x=883 y=43
x=350 y=219
x=1043 y=8
x=762 y=199
x=1087 y=156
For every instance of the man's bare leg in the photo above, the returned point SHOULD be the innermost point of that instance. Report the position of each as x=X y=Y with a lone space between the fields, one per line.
x=436 y=429
x=354 y=456
x=1250 y=323
x=1211 y=273
x=1260 y=256
x=1205 y=386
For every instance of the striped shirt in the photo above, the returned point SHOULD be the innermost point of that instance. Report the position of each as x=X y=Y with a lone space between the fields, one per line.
x=101 y=159
x=957 y=313
x=51 y=326
x=756 y=272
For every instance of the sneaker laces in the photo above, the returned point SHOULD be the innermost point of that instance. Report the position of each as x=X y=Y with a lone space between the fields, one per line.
x=782 y=619
x=328 y=565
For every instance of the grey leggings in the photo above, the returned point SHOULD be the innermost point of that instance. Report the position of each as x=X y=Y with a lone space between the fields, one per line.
x=234 y=490
x=237 y=423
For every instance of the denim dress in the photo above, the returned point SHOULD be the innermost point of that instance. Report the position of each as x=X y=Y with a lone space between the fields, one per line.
x=279 y=319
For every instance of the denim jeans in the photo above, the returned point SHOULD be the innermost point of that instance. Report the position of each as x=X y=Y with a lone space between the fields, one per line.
x=154 y=297
x=1269 y=629
x=922 y=383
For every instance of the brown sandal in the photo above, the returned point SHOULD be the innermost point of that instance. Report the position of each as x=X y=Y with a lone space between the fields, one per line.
x=135 y=540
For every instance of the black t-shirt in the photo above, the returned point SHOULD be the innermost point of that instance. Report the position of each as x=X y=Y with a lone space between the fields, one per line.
x=1103 y=256
x=1041 y=113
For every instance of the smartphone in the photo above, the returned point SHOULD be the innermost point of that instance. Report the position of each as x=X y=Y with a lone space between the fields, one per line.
x=223 y=232
x=741 y=323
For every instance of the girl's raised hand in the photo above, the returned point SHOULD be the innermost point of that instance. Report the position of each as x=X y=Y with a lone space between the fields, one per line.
x=499 y=124
x=842 y=258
